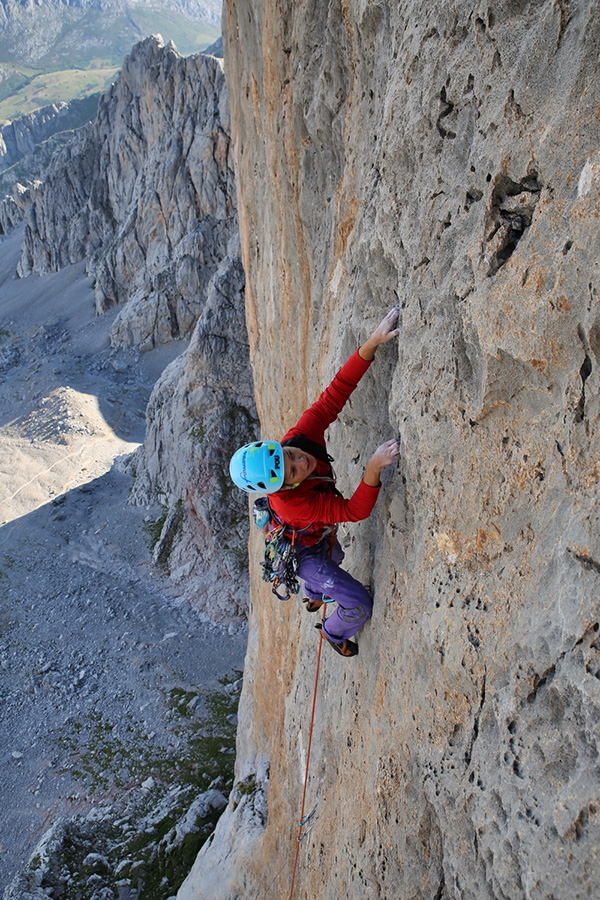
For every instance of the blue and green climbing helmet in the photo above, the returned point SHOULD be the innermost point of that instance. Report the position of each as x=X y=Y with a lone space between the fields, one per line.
x=258 y=467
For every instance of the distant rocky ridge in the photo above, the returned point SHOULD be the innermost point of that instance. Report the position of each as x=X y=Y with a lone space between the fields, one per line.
x=45 y=32
x=12 y=208
x=27 y=146
x=198 y=9
x=146 y=194
x=20 y=137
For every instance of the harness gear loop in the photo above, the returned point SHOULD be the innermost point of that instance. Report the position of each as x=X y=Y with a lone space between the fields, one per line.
x=281 y=562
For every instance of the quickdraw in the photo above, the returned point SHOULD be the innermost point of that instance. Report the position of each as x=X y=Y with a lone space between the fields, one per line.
x=280 y=565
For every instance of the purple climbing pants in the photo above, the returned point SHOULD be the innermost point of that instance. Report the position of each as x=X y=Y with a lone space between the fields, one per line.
x=320 y=570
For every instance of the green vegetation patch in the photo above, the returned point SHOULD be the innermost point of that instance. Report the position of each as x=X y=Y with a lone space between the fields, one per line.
x=198 y=433
x=54 y=87
x=104 y=759
x=153 y=529
x=13 y=79
x=147 y=840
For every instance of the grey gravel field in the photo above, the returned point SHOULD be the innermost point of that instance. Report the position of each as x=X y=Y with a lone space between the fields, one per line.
x=95 y=643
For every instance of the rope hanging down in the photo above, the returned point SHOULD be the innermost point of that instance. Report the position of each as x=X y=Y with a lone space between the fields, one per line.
x=305 y=819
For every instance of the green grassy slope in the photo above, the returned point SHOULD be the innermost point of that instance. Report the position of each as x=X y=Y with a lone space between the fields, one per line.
x=53 y=87
x=82 y=52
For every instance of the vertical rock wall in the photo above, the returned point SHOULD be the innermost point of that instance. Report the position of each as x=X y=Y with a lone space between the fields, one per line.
x=445 y=155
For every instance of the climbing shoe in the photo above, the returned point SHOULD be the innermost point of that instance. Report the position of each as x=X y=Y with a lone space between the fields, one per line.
x=314 y=605
x=346 y=648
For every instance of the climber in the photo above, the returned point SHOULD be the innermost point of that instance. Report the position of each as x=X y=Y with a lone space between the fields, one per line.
x=297 y=475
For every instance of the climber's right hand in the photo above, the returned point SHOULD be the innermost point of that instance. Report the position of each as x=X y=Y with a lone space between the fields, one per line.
x=384 y=332
x=385 y=455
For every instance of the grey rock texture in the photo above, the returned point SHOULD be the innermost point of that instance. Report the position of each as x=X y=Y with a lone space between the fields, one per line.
x=445 y=155
x=114 y=848
x=27 y=147
x=200 y=411
x=12 y=208
x=145 y=194
x=20 y=137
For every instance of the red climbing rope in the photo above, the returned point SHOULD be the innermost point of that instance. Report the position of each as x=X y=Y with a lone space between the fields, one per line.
x=302 y=821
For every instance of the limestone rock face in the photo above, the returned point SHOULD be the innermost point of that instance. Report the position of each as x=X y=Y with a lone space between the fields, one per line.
x=20 y=137
x=146 y=194
x=12 y=208
x=200 y=411
x=27 y=147
x=443 y=157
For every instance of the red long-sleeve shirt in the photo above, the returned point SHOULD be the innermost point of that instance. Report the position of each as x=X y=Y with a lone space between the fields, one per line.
x=304 y=506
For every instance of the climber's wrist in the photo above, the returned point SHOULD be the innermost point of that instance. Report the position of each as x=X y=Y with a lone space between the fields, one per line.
x=372 y=474
x=367 y=350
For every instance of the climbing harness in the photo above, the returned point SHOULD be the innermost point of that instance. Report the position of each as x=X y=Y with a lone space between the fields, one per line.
x=280 y=564
x=308 y=818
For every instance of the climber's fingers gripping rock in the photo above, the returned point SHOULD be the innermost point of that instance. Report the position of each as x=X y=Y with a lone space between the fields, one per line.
x=385 y=455
x=384 y=332
x=388 y=453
